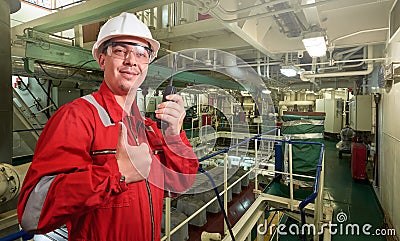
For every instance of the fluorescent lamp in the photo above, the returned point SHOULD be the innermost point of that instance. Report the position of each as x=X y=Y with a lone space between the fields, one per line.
x=315 y=46
x=289 y=71
x=266 y=91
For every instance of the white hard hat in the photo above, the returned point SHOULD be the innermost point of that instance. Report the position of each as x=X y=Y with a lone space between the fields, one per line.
x=126 y=24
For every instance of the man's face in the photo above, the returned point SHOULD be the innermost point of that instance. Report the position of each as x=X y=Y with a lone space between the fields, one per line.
x=123 y=65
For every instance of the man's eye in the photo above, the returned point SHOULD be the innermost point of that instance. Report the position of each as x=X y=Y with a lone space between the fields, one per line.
x=119 y=51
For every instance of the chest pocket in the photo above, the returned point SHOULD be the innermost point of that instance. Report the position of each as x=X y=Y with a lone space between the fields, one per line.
x=154 y=140
x=103 y=146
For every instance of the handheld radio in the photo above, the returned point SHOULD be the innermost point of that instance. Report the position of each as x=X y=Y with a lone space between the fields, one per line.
x=169 y=90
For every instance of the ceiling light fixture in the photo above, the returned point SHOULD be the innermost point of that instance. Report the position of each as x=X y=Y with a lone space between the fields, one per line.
x=289 y=70
x=266 y=91
x=315 y=44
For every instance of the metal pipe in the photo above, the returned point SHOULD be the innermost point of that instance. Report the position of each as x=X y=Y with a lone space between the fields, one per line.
x=259 y=65
x=247 y=9
x=291 y=176
x=168 y=218
x=296 y=102
x=359 y=64
x=369 y=70
x=351 y=51
x=159 y=18
x=256 y=163
x=267 y=172
x=345 y=61
x=359 y=32
x=226 y=190
x=269 y=14
x=169 y=23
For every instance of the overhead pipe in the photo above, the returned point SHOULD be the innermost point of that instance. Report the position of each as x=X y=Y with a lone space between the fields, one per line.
x=259 y=65
x=269 y=14
x=348 y=51
x=247 y=9
x=324 y=84
x=355 y=50
x=313 y=68
x=296 y=102
x=359 y=32
x=361 y=62
x=347 y=61
x=369 y=70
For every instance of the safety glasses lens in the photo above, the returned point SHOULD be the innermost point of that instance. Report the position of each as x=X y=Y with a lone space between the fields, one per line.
x=123 y=50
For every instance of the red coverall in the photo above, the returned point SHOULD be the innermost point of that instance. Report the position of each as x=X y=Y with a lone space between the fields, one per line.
x=68 y=184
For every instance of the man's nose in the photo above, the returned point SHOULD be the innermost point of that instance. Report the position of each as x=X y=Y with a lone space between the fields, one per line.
x=130 y=59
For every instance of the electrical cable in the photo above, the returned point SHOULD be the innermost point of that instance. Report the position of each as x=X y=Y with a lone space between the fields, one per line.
x=65 y=77
x=46 y=92
x=219 y=202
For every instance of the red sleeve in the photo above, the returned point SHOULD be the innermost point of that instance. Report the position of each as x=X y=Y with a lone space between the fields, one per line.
x=63 y=180
x=181 y=163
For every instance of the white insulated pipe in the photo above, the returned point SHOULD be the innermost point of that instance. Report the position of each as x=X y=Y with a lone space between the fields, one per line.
x=296 y=102
x=369 y=70
x=205 y=236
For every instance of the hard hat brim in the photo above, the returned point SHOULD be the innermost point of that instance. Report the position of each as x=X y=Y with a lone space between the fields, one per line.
x=155 y=45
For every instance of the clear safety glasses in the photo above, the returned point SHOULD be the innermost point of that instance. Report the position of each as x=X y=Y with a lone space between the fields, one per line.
x=122 y=50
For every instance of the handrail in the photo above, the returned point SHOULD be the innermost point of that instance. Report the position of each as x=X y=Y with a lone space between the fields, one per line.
x=302 y=204
x=314 y=194
x=26 y=130
x=213 y=183
x=236 y=145
x=176 y=228
x=310 y=198
x=33 y=96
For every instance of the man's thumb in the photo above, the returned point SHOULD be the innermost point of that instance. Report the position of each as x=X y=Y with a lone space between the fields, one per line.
x=122 y=134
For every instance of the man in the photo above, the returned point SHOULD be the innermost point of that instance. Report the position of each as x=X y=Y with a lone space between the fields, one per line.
x=101 y=168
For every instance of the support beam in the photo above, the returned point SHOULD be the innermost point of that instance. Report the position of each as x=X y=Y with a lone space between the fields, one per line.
x=6 y=108
x=99 y=10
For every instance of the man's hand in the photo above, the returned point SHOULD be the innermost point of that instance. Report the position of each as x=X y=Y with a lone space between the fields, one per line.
x=133 y=161
x=172 y=112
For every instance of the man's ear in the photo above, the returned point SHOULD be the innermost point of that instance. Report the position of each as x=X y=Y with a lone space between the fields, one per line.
x=102 y=61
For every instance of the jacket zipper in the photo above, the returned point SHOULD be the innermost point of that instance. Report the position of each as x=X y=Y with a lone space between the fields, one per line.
x=147 y=182
x=151 y=210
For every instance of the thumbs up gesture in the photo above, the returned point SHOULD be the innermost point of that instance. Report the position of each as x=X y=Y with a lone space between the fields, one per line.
x=133 y=161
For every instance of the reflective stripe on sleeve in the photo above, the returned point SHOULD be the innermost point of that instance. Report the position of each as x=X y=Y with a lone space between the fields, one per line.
x=34 y=205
